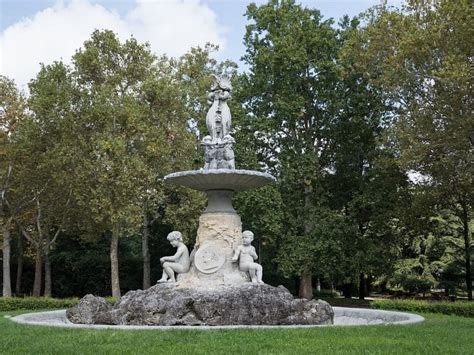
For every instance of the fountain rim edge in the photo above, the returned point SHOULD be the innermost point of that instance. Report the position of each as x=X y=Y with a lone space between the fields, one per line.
x=170 y=176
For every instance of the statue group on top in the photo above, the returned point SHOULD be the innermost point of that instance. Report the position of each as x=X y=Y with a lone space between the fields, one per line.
x=218 y=145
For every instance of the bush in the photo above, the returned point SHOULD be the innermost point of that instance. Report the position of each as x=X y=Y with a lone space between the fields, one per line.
x=36 y=303
x=33 y=303
x=346 y=302
x=325 y=294
x=417 y=284
x=459 y=308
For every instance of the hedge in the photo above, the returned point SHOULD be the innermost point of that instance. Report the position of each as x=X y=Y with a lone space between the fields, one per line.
x=458 y=308
x=36 y=303
x=347 y=302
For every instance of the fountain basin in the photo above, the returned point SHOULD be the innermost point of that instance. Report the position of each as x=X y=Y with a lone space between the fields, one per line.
x=342 y=317
x=220 y=179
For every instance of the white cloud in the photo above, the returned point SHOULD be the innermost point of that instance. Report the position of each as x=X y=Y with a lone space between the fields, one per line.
x=174 y=25
x=171 y=27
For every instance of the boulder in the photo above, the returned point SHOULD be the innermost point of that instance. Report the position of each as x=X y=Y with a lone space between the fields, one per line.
x=166 y=304
x=90 y=310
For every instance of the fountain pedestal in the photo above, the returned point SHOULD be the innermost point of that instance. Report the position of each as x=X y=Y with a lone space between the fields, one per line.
x=220 y=227
x=218 y=235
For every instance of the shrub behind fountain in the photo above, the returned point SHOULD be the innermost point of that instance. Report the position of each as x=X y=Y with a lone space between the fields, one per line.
x=214 y=291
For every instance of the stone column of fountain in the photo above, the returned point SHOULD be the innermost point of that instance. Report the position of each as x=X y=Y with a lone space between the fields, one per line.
x=220 y=227
x=213 y=291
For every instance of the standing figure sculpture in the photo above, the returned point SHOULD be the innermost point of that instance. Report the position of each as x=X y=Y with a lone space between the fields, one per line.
x=178 y=263
x=229 y=152
x=246 y=253
x=210 y=151
x=218 y=118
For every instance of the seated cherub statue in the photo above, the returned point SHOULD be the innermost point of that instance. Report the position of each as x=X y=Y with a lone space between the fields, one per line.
x=178 y=263
x=247 y=255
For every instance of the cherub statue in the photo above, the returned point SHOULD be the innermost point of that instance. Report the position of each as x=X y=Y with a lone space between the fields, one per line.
x=218 y=118
x=229 y=151
x=178 y=263
x=221 y=162
x=247 y=255
x=209 y=153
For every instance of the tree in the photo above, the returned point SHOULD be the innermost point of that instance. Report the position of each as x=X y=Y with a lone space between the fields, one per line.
x=365 y=182
x=112 y=131
x=104 y=133
x=12 y=201
x=136 y=111
x=49 y=137
x=41 y=234
x=318 y=126
x=290 y=86
x=421 y=59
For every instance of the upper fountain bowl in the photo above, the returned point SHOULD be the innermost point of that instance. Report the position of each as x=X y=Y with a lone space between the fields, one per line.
x=220 y=179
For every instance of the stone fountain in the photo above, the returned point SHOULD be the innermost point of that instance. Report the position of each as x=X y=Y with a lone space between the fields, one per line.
x=220 y=227
x=211 y=287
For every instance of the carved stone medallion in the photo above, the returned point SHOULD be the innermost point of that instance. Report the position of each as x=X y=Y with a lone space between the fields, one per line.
x=209 y=259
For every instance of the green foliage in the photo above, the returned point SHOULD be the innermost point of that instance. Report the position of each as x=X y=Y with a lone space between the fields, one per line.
x=326 y=251
x=35 y=303
x=414 y=275
x=261 y=212
x=40 y=303
x=347 y=302
x=317 y=125
x=325 y=294
x=417 y=58
x=431 y=250
x=416 y=284
x=459 y=308
x=291 y=53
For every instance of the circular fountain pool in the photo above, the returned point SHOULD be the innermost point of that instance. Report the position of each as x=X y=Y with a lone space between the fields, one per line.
x=342 y=317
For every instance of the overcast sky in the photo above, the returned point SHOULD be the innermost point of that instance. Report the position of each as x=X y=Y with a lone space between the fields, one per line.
x=42 y=31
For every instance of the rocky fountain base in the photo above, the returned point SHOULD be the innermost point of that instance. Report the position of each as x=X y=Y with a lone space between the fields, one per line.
x=166 y=304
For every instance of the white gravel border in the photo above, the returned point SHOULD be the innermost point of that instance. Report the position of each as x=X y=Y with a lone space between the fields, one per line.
x=342 y=317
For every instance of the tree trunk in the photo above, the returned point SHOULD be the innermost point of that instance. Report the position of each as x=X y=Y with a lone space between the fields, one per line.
x=6 y=252
x=114 y=267
x=467 y=252
x=318 y=285
x=306 y=287
x=47 y=270
x=368 y=284
x=38 y=270
x=347 y=290
x=361 y=286
x=19 y=269
x=146 y=252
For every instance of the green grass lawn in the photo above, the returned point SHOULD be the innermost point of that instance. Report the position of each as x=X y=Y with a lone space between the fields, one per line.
x=439 y=334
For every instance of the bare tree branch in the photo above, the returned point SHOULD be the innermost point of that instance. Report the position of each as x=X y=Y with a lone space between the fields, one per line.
x=26 y=235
